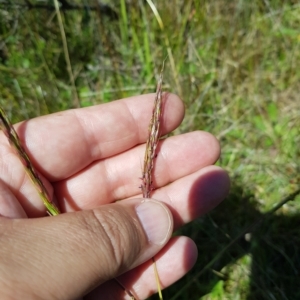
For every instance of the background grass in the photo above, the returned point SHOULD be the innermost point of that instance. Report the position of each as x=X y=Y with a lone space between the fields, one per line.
x=236 y=68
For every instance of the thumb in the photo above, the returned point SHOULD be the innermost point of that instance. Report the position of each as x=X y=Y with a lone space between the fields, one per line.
x=68 y=255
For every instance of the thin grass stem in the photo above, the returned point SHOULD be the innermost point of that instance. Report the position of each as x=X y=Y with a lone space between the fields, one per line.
x=157 y=279
x=167 y=43
x=15 y=142
x=150 y=154
x=66 y=53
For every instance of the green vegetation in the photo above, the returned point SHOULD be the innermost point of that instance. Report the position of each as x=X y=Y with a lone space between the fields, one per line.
x=236 y=66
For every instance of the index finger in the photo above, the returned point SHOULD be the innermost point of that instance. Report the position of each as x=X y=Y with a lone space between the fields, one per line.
x=64 y=143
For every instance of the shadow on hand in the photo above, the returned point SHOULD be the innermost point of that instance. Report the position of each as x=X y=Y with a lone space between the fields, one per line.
x=234 y=231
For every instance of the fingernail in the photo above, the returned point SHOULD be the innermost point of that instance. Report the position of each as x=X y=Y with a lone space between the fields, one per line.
x=156 y=220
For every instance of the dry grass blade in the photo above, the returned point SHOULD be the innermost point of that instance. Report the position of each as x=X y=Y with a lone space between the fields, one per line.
x=15 y=142
x=150 y=154
x=153 y=139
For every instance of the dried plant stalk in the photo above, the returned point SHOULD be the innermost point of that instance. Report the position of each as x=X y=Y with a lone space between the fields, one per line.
x=150 y=155
x=153 y=139
x=15 y=142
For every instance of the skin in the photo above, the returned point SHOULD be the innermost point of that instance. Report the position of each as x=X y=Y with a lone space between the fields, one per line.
x=88 y=159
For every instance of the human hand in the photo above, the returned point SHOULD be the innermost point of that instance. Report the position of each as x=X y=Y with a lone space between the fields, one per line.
x=88 y=159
